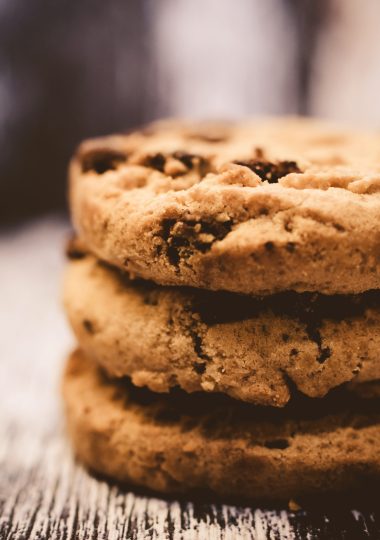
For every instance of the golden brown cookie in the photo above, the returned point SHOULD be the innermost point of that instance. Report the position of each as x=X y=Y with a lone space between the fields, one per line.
x=181 y=442
x=254 y=349
x=255 y=207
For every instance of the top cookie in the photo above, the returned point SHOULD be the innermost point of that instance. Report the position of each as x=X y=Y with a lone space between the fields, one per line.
x=254 y=207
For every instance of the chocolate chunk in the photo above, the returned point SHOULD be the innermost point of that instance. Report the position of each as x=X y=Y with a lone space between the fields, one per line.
x=324 y=354
x=193 y=161
x=182 y=238
x=270 y=171
x=102 y=160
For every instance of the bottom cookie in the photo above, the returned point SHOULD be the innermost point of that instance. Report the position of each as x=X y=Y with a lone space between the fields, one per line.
x=178 y=443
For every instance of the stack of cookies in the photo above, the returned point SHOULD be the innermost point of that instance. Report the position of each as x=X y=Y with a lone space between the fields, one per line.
x=224 y=289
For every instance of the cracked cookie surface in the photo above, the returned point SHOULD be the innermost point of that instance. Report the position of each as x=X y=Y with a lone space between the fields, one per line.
x=260 y=350
x=179 y=443
x=255 y=207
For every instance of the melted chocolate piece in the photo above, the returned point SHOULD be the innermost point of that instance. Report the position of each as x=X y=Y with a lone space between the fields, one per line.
x=270 y=171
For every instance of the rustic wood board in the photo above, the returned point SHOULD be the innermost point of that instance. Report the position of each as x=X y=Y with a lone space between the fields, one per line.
x=44 y=494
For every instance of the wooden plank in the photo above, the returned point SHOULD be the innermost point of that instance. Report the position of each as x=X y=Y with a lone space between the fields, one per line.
x=44 y=494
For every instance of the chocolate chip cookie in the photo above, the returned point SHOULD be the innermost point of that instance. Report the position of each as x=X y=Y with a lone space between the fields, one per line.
x=182 y=442
x=252 y=207
x=260 y=350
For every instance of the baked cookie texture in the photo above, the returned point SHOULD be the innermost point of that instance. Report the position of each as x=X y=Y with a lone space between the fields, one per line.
x=181 y=442
x=255 y=207
x=260 y=350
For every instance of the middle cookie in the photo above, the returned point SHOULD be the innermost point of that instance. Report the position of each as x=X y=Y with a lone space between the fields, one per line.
x=259 y=350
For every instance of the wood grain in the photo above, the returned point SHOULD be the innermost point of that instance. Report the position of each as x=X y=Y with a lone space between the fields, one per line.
x=44 y=494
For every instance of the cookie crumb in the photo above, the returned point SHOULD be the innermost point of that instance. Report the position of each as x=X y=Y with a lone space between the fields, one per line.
x=208 y=386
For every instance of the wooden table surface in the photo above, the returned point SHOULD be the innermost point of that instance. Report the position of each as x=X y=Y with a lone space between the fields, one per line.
x=44 y=494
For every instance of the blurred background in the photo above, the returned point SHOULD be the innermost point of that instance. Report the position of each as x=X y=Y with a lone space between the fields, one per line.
x=70 y=70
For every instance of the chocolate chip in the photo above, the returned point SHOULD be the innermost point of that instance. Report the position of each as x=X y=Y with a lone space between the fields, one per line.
x=172 y=252
x=88 y=326
x=190 y=161
x=173 y=255
x=199 y=367
x=324 y=354
x=194 y=161
x=285 y=337
x=270 y=171
x=269 y=246
x=288 y=225
x=290 y=246
x=294 y=352
x=102 y=160
x=218 y=229
x=182 y=238
x=197 y=344
x=277 y=444
x=186 y=159
x=155 y=161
